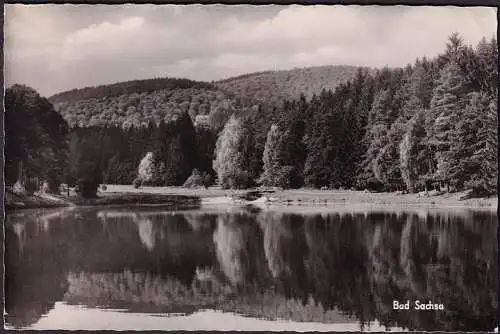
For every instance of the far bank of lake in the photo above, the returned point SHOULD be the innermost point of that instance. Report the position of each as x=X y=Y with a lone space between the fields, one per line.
x=177 y=197
x=314 y=196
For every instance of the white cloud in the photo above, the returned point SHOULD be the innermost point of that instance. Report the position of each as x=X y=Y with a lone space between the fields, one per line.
x=104 y=37
x=104 y=32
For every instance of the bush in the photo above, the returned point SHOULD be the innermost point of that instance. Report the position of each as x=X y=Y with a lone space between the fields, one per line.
x=373 y=184
x=480 y=192
x=238 y=180
x=195 y=180
x=19 y=189
x=87 y=187
x=198 y=179
x=137 y=183
x=208 y=179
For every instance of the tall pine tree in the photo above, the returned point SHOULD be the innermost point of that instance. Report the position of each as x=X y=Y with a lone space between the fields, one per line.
x=447 y=106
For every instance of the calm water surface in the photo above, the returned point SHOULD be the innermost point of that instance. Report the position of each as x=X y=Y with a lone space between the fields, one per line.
x=250 y=269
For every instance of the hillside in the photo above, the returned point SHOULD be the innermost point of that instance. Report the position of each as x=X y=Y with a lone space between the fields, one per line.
x=275 y=86
x=141 y=101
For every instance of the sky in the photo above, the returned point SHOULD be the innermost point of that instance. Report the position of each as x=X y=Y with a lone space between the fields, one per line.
x=54 y=48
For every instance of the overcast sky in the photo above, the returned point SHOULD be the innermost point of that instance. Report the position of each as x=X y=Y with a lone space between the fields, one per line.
x=53 y=48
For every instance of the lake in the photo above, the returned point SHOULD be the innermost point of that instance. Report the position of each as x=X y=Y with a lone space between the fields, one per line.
x=245 y=268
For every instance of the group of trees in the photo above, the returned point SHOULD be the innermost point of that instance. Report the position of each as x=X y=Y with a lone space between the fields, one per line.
x=41 y=147
x=137 y=103
x=430 y=124
x=273 y=87
x=35 y=139
x=139 y=108
x=128 y=87
x=163 y=154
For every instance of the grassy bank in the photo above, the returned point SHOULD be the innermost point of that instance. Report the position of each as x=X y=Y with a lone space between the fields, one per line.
x=312 y=197
x=360 y=198
x=177 y=197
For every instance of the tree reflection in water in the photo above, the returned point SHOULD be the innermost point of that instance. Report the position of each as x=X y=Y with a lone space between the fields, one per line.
x=238 y=241
x=303 y=267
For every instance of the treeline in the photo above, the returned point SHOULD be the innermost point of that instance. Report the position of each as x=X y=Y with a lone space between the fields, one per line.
x=128 y=87
x=432 y=124
x=172 y=153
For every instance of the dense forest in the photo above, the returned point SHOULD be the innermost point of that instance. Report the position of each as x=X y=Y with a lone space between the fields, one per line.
x=432 y=124
x=136 y=103
x=273 y=87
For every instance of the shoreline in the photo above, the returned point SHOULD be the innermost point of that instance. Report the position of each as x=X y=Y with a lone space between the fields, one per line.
x=16 y=202
x=177 y=197
x=316 y=198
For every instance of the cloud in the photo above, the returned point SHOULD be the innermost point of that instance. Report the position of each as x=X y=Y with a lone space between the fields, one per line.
x=104 y=32
x=89 y=41
x=59 y=47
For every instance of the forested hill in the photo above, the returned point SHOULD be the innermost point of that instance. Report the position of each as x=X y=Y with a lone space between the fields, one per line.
x=142 y=101
x=275 y=86
x=128 y=87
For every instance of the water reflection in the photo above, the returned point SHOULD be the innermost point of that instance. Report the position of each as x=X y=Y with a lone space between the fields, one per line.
x=324 y=268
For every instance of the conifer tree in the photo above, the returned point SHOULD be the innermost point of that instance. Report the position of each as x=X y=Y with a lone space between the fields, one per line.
x=292 y=121
x=323 y=165
x=448 y=103
x=386 y=165
x=376 y=134
x=476 y=143
x=419 y=88
x=412 y=150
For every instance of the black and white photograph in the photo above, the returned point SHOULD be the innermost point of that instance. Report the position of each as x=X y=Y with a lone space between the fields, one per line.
x=250 y=167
